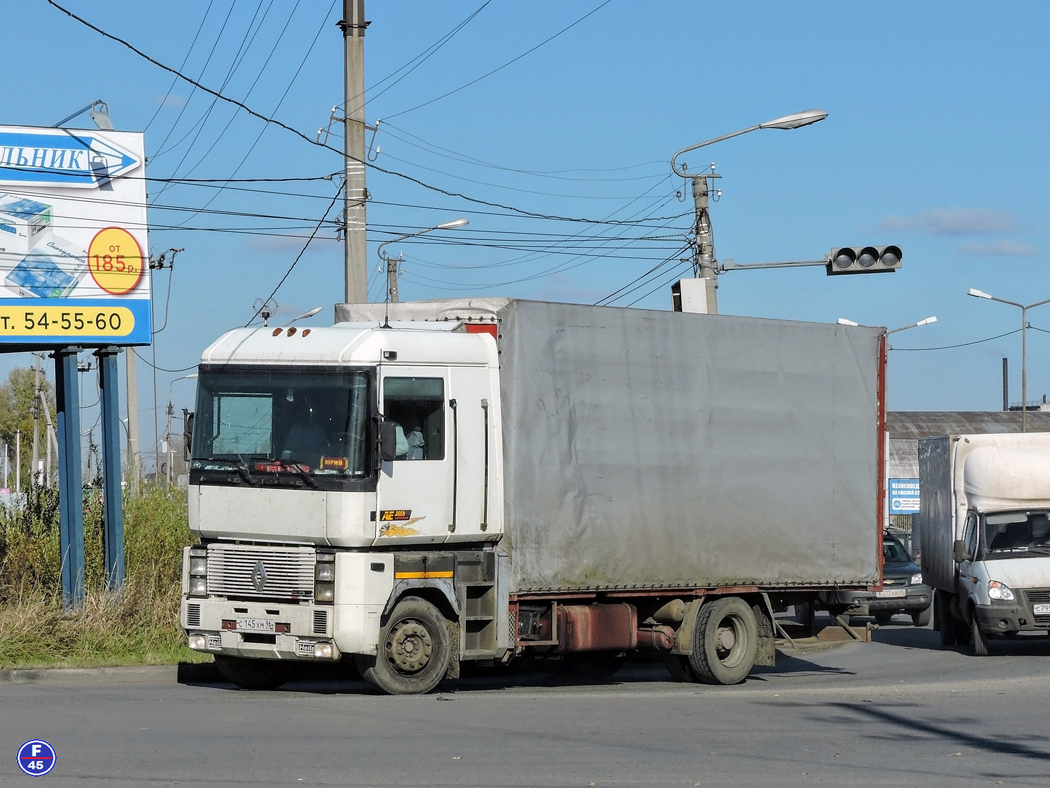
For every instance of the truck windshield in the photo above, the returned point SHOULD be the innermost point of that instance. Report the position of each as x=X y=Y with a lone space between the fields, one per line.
x=298 y=423
x=1013 y=534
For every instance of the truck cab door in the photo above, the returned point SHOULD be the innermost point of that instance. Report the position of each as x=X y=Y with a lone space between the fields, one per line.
x=971 y=534
x=415 y=490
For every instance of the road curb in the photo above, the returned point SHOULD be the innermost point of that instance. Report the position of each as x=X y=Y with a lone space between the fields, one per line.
x=183 y=673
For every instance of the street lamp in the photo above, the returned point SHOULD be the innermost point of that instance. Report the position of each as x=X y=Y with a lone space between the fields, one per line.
x=704 y=250
x=304 y=315
x=925 y=322
x=1024 y=346
x=170 y=455
x=392 y=262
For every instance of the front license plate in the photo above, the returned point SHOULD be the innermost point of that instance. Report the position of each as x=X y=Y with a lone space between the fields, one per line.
x=1041 y=610
x=891 y=593
x=256 y=625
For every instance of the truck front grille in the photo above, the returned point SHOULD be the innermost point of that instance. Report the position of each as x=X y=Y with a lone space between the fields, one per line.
x=193 y=615
x=257 y=572
x=1038 y=596
x=320 y=622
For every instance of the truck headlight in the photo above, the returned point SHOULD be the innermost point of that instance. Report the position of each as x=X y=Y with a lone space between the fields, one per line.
x=916 y=579
x=997 y=590
x=324 y=577
x=198 y=571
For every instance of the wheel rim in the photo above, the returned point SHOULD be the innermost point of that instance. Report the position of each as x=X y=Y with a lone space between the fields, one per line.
x=730 y=641
x=409 y=647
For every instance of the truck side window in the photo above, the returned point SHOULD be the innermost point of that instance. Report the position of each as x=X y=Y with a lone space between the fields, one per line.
x=970 y=534
x=417 y=406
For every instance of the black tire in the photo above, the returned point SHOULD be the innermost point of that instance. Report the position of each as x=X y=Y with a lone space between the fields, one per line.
x=254 y=674
x=882 y=617
x=414 y=650
x=725 y=642
x=949 y=624
x=978 y=639
x=594 y=666
x=921 y=618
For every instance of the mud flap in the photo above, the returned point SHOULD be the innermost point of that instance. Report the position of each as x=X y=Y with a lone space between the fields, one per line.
x=683 y=642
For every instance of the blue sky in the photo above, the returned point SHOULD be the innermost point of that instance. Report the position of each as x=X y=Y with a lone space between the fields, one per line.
x=934 y=141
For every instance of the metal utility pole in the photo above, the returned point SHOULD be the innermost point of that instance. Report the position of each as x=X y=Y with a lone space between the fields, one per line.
x=35 y=476
x=354 y=194
x=134 y=463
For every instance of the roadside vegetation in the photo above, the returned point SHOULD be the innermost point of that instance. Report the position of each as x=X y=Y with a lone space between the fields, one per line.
x=135 y=626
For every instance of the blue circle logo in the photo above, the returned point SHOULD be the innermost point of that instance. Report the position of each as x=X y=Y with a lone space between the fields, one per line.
x=36 y=757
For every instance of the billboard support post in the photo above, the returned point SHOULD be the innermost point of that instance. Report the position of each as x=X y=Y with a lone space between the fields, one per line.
x=70 y=477
x=109 y=394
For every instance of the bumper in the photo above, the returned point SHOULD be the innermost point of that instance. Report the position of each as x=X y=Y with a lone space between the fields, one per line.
x=302 y=632
x=860 y=603
x=1007 y=618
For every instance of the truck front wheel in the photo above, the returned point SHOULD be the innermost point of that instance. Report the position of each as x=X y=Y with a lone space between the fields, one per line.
x=978 y=638
x=257 y=674
x=725 y=642
x=414 y=650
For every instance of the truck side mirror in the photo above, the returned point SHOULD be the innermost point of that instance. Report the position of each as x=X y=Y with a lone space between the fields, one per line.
x=959 y=552
x=187 y=434
x=387 y=440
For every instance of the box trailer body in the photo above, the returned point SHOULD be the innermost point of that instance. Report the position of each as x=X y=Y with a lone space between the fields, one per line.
x=594 y=481
x=984 y=527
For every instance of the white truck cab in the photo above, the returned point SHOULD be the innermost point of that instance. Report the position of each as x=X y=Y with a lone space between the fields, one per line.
x=292 y=418
x=985 y=530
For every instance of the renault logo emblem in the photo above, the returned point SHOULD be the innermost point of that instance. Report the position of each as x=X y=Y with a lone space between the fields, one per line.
x=259 y=576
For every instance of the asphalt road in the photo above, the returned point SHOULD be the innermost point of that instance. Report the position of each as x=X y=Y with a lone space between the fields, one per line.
x=896 y=712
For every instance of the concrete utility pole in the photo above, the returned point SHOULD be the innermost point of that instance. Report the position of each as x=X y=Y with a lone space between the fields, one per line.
x=353 y=26
x=134 y=464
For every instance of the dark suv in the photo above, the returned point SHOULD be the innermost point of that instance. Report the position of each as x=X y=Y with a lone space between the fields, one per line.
x=902 y=590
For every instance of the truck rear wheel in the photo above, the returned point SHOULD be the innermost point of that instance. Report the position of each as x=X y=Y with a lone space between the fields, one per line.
x=947 y=623
x=257 y=674
x=414 y=650
x=725 y=642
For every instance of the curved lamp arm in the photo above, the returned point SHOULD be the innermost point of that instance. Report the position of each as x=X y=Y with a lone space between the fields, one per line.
x=446 y=226
x=798 y=120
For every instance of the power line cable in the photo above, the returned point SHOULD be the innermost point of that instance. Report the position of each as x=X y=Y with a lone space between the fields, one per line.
x=298 y=257
x=500 y=68
x=301 y=135
x=962 y=344
x=185 y=60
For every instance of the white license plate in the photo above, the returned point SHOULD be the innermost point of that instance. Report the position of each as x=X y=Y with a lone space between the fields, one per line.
x=891 y=593
x=1041 y=610
x=256 y=625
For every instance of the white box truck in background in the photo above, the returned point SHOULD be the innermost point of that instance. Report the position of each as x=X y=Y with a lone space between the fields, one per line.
x=984 y=527
x=431 y=483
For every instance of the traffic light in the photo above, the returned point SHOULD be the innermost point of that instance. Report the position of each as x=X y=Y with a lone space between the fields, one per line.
x=864 y=260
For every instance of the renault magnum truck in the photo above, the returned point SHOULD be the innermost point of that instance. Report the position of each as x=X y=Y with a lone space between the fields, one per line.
x=435 y=483
x=984 y=527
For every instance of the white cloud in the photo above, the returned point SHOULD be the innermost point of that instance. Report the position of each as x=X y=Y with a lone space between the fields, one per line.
x=1001 y=248
x=952 y=221
x=171 y=100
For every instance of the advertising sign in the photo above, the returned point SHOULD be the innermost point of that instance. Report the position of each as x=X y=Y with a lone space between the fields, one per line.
x=73 y=250
x=904 y=496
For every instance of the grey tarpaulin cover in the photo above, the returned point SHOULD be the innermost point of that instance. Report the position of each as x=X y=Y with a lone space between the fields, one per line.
x=649 y=449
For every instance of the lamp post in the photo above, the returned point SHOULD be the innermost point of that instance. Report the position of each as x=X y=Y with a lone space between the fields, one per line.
x=925 y=322
x=392 y=262
x=303 y=316
x=169 y=458
x=1024 y=346
x=704 y=248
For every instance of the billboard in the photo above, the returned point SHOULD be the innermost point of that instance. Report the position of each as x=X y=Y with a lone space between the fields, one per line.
x=904 y=496
x=74 y=265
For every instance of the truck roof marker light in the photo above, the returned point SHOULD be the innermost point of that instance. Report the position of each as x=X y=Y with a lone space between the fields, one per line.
x=291 y=331
x=306 y=332
x=277 y=332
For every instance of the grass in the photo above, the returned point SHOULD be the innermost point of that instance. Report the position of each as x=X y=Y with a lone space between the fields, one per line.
x=136 y=626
